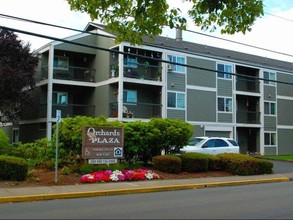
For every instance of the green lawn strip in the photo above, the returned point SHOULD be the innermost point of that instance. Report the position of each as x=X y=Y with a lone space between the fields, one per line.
x=279 y=157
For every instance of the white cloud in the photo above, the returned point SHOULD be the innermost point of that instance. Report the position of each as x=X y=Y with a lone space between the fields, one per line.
x=54 y=11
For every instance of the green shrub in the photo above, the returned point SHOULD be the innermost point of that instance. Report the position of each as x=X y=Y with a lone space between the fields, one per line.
x=167 y=163
x=215 y=163
x=242 y=164
x=195 y=162
x=5 y=145
x=88 y=168
x=13 y=168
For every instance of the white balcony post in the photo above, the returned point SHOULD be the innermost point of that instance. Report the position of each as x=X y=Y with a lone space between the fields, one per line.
x=50 y=92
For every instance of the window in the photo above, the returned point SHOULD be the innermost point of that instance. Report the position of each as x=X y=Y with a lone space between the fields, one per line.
x=61 y=63
x=176 y=100
x=176 y=59
x=225 y=104
x=216 y=143
x=270 y=139
x=225 y=70
x=130 y=61
x=269 y=76
x=130 y=96
x=270 y=108
x=60 y=98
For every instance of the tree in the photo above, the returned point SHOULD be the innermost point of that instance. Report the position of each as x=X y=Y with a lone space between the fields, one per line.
x=133 y=19
x=17 y=70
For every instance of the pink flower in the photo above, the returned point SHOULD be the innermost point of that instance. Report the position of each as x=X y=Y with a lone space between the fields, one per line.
x=117 y=175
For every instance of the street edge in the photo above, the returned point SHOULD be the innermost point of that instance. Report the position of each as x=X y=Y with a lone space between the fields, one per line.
x=136 y=190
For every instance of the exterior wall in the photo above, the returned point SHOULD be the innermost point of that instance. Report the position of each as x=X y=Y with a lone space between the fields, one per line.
x=218 y=133
x=102 y=61
x=88 y=40
x=270 y=151
x=201 y=106
x=199 y=77
x=101 y=100
x=270 y=93
x=176 y=82
x=285 y=140
x=225 y=117
x=270 y=123
x=284 y=112
x=224 y=87
x=285 y=89
x=176 y=114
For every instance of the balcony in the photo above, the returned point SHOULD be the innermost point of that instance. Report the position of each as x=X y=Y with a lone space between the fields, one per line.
x=68 y=110
x=248 y=117
x=70 y=73
x=138 y=110
x=138 y=71
x=247 y=84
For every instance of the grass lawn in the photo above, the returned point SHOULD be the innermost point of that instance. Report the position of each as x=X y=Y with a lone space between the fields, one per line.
x=279 y=157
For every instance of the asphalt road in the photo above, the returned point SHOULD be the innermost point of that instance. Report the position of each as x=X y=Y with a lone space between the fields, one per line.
x=259 y=201
x=282 y=167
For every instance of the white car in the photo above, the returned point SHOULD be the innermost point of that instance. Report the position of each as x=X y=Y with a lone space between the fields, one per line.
x=211 y=145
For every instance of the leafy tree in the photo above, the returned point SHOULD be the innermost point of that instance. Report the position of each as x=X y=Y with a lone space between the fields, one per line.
x=17 y=69
x=172 y=134
x=4 y=142
x=134 y=19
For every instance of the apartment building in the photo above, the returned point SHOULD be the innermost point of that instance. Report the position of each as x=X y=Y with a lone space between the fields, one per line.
x=220 y=92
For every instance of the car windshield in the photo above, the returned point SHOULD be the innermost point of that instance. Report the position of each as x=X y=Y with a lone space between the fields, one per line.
x=193 y=141
x=234 y=143
x=198 y=144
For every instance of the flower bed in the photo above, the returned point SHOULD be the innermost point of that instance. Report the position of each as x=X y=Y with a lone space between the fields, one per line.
x=118 y=175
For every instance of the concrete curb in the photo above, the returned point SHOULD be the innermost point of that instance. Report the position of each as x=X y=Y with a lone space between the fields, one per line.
x=136 y=190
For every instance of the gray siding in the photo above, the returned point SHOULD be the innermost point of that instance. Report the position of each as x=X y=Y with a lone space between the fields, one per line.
x=225 y=117
x=285 y=89
x=198 y=131
x=270 y=123
x=269 y=93
x=218 y=133
x=201 y=106
x=176 y=82
x=224 y=87
x=101 y=100
x=176 y=114
x=198 y=77
x=285 y=113
x=285 y=141
x=270 y=151
x=88 y=40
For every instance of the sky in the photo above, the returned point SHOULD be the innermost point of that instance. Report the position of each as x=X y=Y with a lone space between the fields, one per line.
x=273 y=31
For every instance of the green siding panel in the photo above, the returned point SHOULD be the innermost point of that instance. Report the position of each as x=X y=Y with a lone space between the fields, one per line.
x=285 y=89
x=284 y=112
x=224 y=87
x=225 y=117
x=176 y=114
x=199 y=77
x=270 y=151
x=285 y=140
x=270 y=123
x=176 y=82
x=269 y=93
x=201 y=105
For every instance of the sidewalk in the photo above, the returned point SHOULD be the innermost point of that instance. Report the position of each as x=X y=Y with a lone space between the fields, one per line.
x=118 y=188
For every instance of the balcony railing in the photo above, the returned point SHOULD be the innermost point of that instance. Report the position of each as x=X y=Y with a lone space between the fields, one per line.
x=246 y=84
x=69 y=110
x=248 y=117
x=70 y=73
x=138 y=71
x=138 y=110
